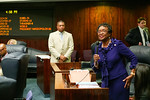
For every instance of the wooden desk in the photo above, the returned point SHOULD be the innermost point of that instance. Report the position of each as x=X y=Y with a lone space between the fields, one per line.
x=45 y=72
x=61 y=91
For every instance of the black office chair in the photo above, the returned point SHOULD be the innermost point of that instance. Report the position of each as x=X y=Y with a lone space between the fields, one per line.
x=143 y=55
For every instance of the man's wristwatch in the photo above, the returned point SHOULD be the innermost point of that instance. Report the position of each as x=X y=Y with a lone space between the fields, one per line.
x=58 y=58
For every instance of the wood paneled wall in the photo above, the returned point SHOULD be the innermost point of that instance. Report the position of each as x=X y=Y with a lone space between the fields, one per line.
x=83 y=18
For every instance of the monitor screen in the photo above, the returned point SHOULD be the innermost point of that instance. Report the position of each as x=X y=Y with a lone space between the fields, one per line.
x=18 y=21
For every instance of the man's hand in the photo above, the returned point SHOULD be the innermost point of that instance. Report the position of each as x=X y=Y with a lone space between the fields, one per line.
x=63 y=58
x=140 y=43
x=60 y=61
x=148 y=44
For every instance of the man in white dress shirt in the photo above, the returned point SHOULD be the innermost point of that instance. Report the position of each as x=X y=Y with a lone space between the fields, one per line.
x=139 y=35
x=60 y=44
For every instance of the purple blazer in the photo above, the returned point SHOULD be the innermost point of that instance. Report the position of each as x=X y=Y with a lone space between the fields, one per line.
x=111 y=62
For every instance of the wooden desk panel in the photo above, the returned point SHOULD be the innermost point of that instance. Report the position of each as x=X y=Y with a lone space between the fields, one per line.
x=62 y=92
x=45 y=72
x=68 y=66
x=81 y=94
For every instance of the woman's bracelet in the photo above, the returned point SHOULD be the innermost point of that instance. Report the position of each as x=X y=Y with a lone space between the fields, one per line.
x=132 y=73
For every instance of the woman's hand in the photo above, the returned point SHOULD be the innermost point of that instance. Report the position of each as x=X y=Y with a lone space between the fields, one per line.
x=96 y=58
x=129 y=78
x=128 y=81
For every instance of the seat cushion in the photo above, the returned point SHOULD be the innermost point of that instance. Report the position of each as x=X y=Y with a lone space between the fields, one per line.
x=7 y=88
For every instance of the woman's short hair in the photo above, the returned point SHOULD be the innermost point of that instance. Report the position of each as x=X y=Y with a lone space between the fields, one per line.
x=106 y=25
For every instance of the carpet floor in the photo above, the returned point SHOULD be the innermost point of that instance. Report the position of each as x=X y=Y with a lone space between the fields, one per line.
x=36 y=91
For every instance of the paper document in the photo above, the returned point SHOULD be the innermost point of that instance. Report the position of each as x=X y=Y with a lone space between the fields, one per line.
x=43 y=56
x=79 y=76
x=87 y=85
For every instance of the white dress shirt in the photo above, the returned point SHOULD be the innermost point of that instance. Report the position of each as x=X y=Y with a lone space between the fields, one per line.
x=142 y=35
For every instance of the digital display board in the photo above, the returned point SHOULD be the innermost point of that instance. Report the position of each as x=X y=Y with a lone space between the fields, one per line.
x=26 y=22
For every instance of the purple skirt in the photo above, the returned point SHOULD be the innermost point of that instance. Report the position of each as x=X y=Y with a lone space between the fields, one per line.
x=117 y=90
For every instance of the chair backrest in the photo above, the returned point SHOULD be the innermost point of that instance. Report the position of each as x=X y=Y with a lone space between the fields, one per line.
x=74 y=56
x=16 y=48
x=87 y=55
x=32 y=52
x=10 y=65
x=15 y=66
x=142 y=53
x=21 y=43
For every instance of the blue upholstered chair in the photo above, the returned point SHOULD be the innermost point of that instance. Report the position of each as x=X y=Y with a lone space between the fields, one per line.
x=143 y=55
x=14 y=68
x=87 y=56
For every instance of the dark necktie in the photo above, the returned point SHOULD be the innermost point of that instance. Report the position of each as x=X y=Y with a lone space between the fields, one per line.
x=145 y=36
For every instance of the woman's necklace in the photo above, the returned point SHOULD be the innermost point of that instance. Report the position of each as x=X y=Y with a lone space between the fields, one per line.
x=107 y=44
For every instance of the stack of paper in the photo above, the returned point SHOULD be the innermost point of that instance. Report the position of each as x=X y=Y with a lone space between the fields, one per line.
x=87 y=85
x=43 y=56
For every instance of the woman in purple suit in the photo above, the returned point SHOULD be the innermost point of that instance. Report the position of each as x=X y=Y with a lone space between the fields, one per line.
x=108 y=59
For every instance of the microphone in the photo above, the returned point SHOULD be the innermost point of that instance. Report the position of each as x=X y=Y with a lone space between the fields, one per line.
x=97 y=44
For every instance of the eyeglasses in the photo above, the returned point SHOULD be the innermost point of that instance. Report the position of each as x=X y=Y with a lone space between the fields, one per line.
x=104 y=31
x=2 y=49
